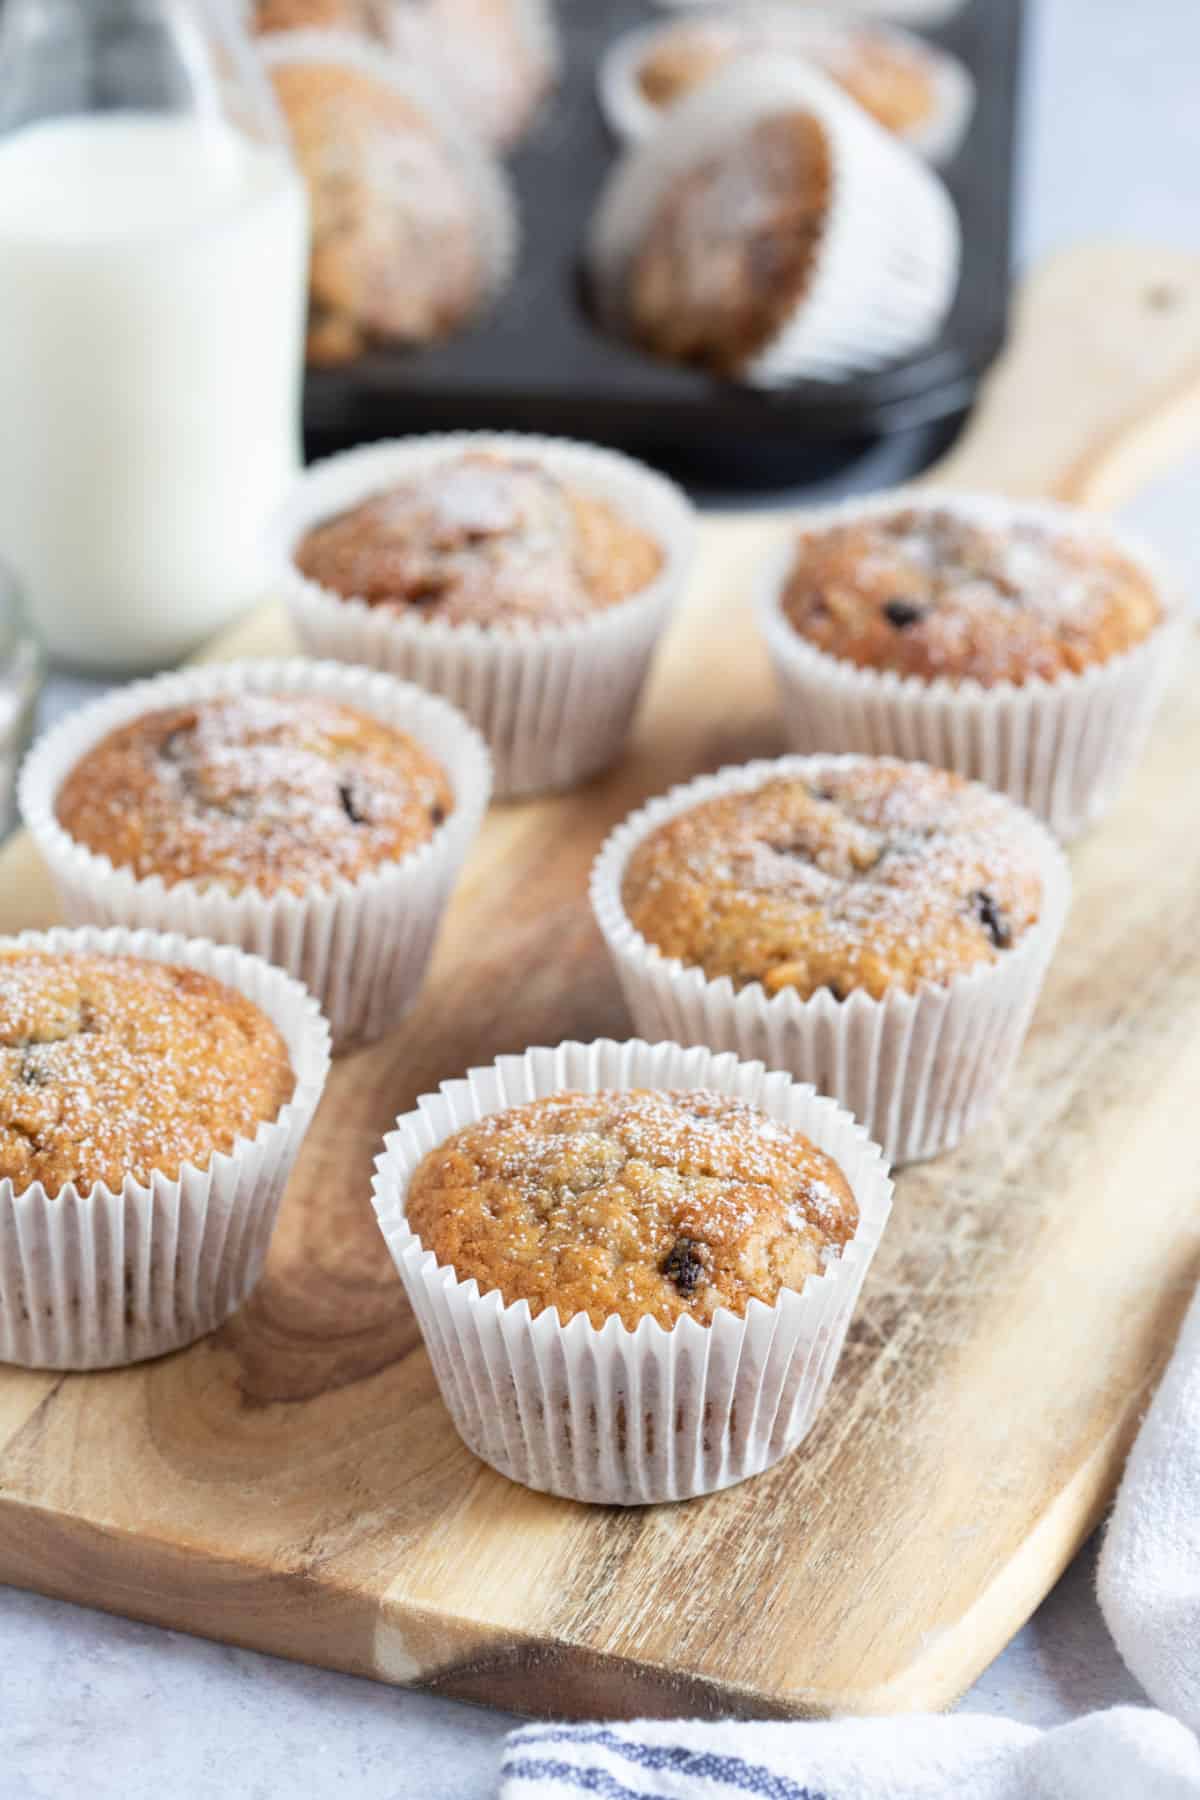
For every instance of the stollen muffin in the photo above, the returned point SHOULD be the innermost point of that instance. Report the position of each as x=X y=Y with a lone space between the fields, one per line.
x=262 y=791
x=932 y=592
x=154 y=1093
x=313 y=813
x=412 y=225
x=876 y=927
x=633 y=1264
x=372 y=18
x=871 y=877
x=526 y=579
x=114 y=1067
x=769 y=231
x=483 y=539
x=910 y=88
x=632 y=1204
x=1022 y=644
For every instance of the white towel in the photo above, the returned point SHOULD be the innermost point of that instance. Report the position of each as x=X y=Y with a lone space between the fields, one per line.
x=1149 y=1584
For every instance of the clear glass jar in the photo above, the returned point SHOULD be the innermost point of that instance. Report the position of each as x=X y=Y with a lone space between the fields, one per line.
x=153 y=236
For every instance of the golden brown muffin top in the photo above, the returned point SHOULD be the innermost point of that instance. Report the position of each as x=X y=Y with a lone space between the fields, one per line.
x=112 y=1066
x=397 y=251
x=888 y=78
x=730 y=248
x=482 y=539
x=254 y=791
x=369 y=18
x=932 y=593
x=645 y=1204
x=876 y=877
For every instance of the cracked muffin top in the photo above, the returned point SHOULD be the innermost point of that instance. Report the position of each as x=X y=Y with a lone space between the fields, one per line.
x=876 y=876
x=931 y=592
x=112 y=1066
x=890 y=78
x=257 y=791
x=728 y=252
x=482 y=539
x=397 y=235
x=645 y=1204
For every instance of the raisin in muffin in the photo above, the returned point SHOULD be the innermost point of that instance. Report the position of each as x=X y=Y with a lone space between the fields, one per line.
x=400 y=234
x=485 y=540
x=112 y=1066
x=638 y=1204
x=891 y=77
x=254 y=791
x=728 y=252
x=933 y=592
x=873 y=876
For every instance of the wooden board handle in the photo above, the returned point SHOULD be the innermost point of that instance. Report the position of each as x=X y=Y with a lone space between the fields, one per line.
x=1100 y=386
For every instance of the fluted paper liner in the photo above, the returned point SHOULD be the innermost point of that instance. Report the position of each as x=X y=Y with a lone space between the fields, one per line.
x=410 y=75
x=611 y=1415
x=633 y=116
x=918 y=1069
x=1062 y=748
x=554 y=702
x=886 y=266
x=91 y=1278
x=360 y=946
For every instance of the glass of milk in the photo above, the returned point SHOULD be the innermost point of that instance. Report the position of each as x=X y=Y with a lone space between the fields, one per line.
x=153 y=265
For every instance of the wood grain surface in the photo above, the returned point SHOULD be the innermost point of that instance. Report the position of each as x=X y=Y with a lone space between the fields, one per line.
x=294 y=1484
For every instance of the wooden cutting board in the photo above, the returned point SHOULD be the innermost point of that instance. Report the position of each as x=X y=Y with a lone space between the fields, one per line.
x=294 y=1484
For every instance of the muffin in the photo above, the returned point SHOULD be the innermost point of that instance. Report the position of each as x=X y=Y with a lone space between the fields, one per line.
x=769 y=231
x=876 y=927
x=411 y=223
x=482 y=539
x=908 y=87
x=1024 y=645
x=527 y=579
x=632 y=1204
x=930 y=592
x=372 y=18
x=154 y=1092
x=315 y=814
x=729 y=254
x=872 y=877
x=113 y=1067
x=633 y=1265
x=263 y=791
x=499 y=57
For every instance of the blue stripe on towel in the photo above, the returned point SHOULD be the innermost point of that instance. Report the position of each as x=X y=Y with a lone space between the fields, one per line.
x=704 y=1765
x=588 y=1781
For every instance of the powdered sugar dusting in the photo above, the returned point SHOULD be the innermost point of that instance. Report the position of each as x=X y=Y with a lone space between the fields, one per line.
x=113 y=1066
x=873 y=876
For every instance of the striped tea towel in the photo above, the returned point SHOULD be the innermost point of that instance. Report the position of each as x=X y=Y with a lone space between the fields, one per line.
x=1149 y=1584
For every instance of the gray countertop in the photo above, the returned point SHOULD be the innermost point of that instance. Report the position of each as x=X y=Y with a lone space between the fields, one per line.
x=90 y=1704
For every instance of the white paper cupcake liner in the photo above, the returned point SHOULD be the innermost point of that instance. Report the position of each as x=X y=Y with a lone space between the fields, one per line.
x=918 y=1069
x=632 y=116
x=611 y=1415
x=554 y=702
x=886 y=268
x=92 y=1279
x=409 y=71
x=1061 y=748
x=503 y=104
x=360 y=946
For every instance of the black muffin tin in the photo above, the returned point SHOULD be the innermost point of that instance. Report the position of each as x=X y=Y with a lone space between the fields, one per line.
x=537 y=362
